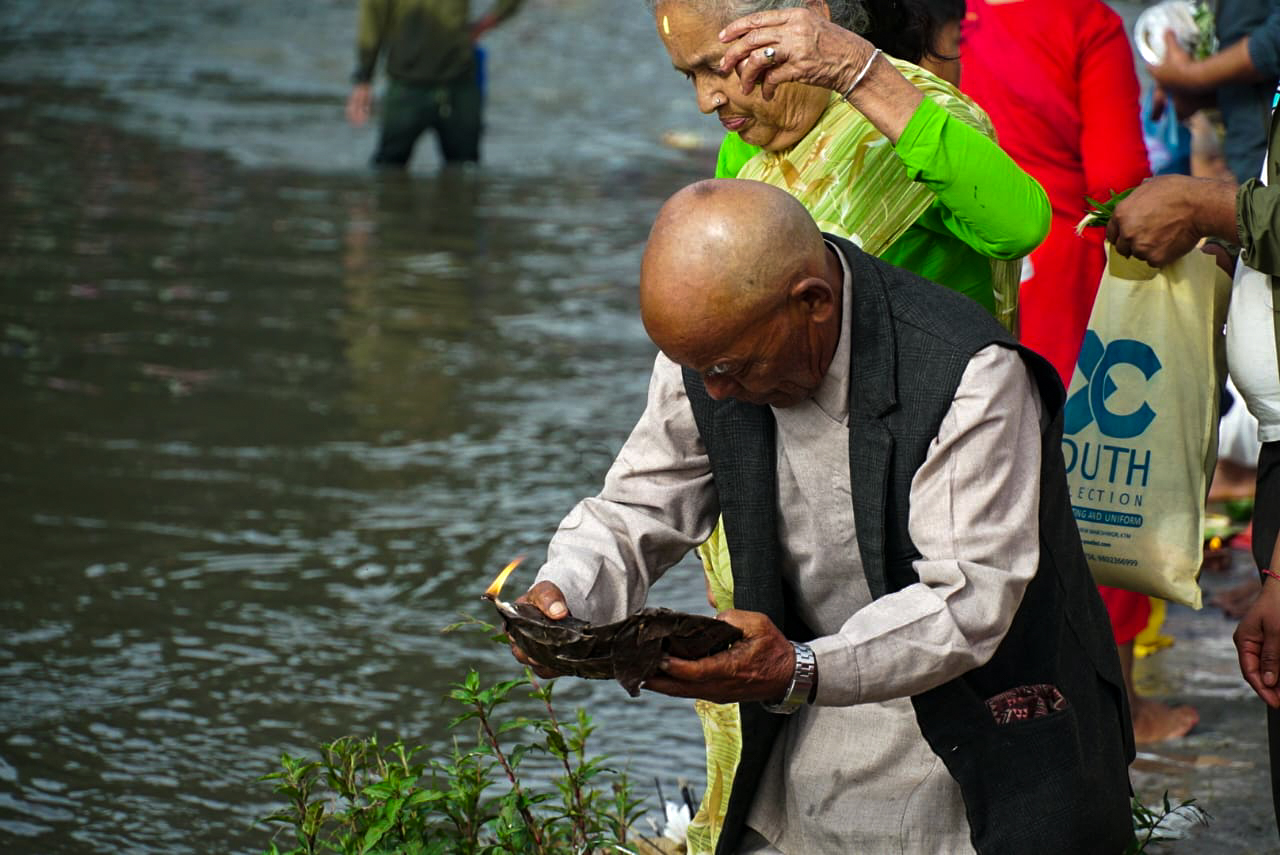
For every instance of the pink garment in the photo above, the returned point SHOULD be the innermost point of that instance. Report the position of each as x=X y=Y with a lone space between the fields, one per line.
x=1058 y=80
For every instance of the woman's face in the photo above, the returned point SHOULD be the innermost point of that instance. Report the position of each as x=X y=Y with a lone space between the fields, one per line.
x=946 y=44
x=694 y=45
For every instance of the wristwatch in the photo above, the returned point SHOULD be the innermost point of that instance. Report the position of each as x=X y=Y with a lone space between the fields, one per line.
x=803 y=679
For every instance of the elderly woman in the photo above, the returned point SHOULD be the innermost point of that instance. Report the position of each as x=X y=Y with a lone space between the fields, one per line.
x=876 y=148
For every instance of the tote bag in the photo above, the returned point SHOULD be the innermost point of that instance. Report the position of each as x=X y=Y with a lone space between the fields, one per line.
x=1140 y=427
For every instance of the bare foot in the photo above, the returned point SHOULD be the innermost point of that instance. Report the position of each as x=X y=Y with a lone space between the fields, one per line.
x=1152 y=720
x=1157 y=722
x=1235 y=601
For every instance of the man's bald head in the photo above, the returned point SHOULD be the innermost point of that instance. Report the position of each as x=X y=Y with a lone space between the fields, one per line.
x=720 y=253
x=737 y=284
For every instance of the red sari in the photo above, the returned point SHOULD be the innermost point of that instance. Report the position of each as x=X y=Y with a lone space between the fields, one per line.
x=1058 y=79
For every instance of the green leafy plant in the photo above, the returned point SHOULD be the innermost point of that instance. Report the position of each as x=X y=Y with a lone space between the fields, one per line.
x=1163 y=823
x=1100 y=213
x=1206 y=41
x=363 y=798
x=360 y=797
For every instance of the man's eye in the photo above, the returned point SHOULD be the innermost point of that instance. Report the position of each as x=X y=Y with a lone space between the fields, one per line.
x=717 y=370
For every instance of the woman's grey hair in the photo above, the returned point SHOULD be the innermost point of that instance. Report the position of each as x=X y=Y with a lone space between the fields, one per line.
x=849 y=14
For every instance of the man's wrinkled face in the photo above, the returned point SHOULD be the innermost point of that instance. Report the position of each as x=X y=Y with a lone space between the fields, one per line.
x=769 y=361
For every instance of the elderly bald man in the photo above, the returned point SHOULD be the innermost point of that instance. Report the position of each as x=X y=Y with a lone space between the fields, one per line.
x=926 y=665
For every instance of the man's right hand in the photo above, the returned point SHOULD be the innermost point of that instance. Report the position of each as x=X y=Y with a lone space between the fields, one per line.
x=1165 y=217
x=360 y=104
x=549 y=600
x=1258 y=644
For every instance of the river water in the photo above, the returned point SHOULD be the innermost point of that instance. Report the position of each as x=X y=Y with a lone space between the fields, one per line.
x=270 y=422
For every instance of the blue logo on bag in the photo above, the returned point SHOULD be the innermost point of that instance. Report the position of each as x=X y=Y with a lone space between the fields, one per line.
x=1089 y=404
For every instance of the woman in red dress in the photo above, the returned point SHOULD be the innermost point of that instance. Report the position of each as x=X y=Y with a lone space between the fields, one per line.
x=1058 y=80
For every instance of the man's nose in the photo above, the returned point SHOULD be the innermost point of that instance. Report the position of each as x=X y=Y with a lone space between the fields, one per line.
x=719 y=387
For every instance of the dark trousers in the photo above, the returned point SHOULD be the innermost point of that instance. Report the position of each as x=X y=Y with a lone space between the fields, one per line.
x=452 y=110
x=1273 y=739
x=1266 y=527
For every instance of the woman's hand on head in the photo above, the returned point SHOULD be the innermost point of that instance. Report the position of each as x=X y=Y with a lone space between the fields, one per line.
x=806 y=48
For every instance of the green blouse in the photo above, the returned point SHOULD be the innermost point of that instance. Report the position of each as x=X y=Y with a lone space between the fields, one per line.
x=987 y=207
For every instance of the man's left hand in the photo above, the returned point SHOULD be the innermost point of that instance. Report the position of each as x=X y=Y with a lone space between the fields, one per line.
x=757 y=668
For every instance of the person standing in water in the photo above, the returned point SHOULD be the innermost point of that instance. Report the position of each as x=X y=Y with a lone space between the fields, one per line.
x=434 y=72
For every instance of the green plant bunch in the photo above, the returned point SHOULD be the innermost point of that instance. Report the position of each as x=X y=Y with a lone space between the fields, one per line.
x=1206 y=40
x=362 y=798
x=1098 y=214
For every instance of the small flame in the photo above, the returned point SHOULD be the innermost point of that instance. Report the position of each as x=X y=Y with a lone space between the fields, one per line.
x=1215 y=542
x=491 y=593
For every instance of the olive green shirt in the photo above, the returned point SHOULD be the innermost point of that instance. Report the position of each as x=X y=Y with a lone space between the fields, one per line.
x=425 y=41
x=1258 y=212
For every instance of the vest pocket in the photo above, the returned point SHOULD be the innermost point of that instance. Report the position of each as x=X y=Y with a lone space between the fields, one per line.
x=1042 y=787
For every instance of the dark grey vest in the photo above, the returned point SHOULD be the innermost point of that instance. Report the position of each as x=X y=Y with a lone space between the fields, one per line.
x=1058 y=784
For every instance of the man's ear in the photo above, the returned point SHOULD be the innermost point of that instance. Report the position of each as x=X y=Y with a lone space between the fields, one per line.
x=817 y=296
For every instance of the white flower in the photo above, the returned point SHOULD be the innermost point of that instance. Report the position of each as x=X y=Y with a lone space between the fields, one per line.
x=1177 y=824
x=676 y=828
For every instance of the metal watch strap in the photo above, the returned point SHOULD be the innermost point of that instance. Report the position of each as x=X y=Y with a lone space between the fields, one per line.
x=802 y=680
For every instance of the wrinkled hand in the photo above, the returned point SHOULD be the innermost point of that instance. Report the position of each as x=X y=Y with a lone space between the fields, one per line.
x=1257 y=641
x=550 y=601
x=757 y=668
x=1178 y=68
x=1157 y=222
x=360 y=104
x=808 y=49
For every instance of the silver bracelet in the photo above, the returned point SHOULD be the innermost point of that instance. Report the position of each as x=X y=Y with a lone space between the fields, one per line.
x=861 y=74
x=802 y=680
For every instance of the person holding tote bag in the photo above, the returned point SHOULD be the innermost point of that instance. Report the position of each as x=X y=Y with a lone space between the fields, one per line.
x=1162 y=220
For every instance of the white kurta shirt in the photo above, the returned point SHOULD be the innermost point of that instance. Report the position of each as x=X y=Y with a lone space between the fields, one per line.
x=852 y=773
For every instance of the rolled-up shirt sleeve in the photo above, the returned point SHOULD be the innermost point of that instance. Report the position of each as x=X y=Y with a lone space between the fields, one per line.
x=974 y=518
x=658 y=502
x=1258 y=225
